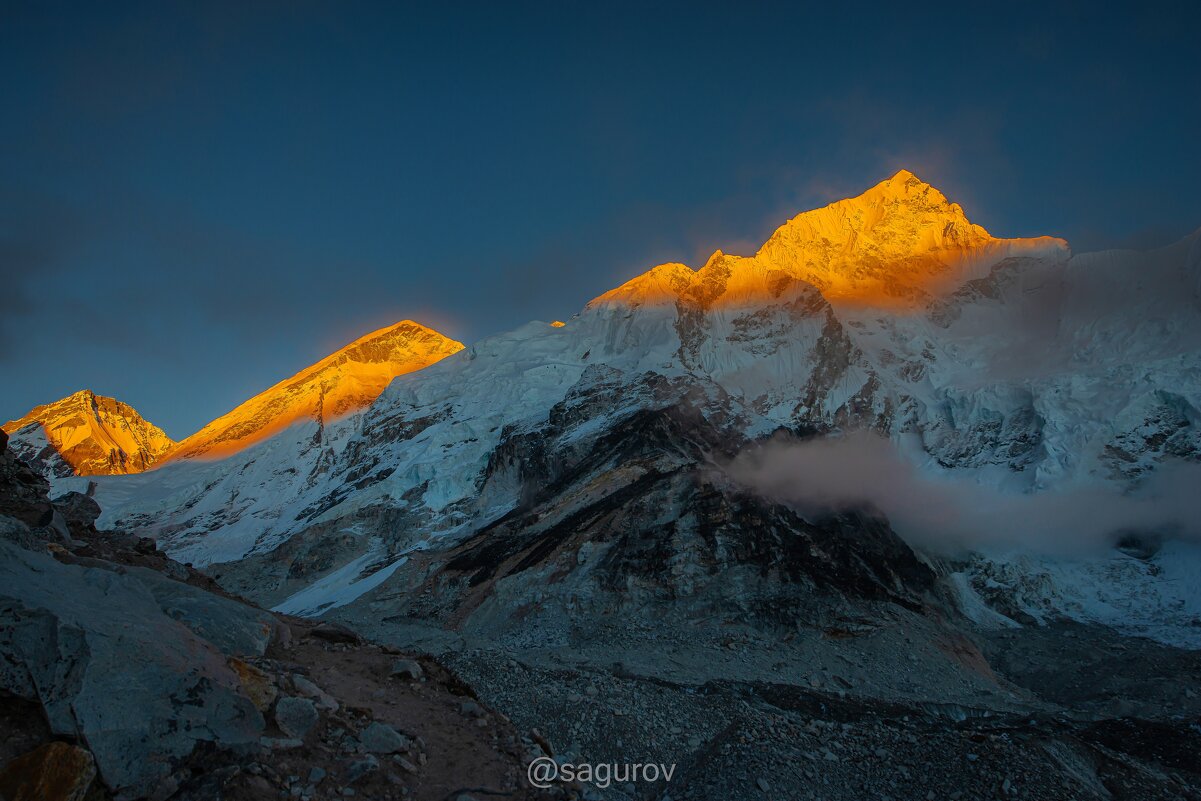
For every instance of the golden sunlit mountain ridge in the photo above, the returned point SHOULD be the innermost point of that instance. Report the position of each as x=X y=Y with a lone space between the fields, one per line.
x=343 y=382
x=89 y=434
x=92 y=434
x=896 y=246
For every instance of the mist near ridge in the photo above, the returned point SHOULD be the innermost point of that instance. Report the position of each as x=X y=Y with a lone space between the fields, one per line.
x=953 y=514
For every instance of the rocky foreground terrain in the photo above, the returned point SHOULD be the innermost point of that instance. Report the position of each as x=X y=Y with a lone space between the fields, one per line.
x=126 y=675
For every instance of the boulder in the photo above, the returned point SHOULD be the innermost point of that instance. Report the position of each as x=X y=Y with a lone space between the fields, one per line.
x=16 y=531
x=56 y=529
x=78 y=509
x=334 y=632
x=360 y=768
x=380 y=738
x=407 y=669
x=280 y=743
x=81 y=641
x=295 y=716
x=55 y=771
x=233 y=628
x=310 y=690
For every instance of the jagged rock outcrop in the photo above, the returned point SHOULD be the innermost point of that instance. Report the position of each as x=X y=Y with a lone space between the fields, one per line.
x=77 y=509
x=22 y=489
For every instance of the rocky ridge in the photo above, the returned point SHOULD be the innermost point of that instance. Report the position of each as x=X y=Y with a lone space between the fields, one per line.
x=898 y=246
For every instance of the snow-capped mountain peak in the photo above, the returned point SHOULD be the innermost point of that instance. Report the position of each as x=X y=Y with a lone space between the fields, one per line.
x=897 y=245
x=345 y=381
x=87 y=434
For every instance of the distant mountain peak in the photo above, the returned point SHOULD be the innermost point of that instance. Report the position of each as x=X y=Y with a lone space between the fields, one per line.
x=347 y=380
x=905 y=182
x=87 y=434
x=896 y=245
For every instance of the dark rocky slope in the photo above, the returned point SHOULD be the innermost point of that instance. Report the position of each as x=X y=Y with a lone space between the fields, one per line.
x=124 y=674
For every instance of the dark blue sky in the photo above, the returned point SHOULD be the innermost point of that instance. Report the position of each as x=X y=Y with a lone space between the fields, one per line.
x=197 y=201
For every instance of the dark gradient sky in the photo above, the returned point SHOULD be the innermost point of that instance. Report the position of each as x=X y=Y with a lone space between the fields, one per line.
x=196 y=202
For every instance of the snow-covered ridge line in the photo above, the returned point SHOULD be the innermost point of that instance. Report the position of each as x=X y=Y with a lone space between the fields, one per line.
x=88 y=434
x=1036 y=370
x=343 y=382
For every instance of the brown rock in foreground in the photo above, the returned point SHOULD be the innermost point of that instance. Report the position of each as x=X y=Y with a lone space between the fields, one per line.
x=56 y=771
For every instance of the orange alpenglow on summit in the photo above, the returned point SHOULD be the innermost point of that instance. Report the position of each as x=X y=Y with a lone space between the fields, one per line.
x=343 y=382
x=895 y=246
x=93 y=435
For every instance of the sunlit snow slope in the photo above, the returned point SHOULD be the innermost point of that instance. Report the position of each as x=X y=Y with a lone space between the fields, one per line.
x=345 y=381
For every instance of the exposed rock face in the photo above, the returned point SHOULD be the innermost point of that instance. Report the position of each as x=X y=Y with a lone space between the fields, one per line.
x=343 y=382
x=637 y=521
x=897 y=246
x=87 y=434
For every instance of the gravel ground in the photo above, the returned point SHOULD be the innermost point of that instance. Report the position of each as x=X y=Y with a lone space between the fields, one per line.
x=1043 y=730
